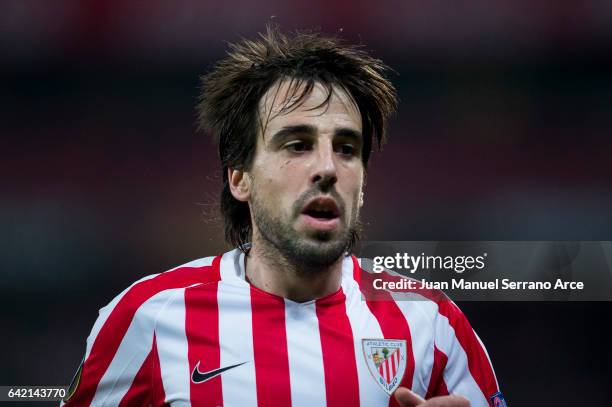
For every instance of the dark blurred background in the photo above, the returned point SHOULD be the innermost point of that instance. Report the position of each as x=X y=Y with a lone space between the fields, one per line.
x=503 y=133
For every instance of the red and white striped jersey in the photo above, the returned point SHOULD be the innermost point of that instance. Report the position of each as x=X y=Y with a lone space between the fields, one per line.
x=201 y=335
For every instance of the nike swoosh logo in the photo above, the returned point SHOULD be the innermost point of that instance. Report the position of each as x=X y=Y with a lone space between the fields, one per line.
x=199 y=377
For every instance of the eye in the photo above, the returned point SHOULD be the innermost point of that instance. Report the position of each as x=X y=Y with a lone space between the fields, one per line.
x=297 y=146
x=347 y=149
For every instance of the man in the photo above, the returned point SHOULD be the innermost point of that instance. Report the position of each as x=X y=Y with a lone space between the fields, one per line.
x=280 y=320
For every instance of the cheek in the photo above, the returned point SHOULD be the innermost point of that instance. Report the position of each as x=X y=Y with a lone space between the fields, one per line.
x=354 y=181
x=277 y=188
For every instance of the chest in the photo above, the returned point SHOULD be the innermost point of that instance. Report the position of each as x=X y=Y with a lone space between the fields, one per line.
x=240 y=351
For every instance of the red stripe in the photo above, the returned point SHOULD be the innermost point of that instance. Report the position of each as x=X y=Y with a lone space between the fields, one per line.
x=202 y=331
x=437 y=386
x=110 y=336
x=478 y=363
x=387 y=375
x=144 y=389
x=393 y=365
x=380 y=369
x=442 y=390
x=338 y=348
x=391 y=321
x=270 y=349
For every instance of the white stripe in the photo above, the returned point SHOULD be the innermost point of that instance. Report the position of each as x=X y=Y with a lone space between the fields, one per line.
x=133 y=350
x=420 y=314
x=364 y=325
x=172 y=347
x=457 y=375
x=236 y=341
x=230 y=266
x=306 y=372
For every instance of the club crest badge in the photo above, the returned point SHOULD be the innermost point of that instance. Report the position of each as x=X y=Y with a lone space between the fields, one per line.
x=386 y=360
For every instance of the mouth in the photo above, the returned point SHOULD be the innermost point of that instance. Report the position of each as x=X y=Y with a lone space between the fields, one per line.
x=321 y=213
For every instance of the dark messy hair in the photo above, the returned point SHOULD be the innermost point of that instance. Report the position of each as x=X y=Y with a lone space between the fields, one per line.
x=229 y=101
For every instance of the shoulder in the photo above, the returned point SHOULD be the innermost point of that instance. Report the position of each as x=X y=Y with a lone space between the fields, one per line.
x=139 y=304
x=198 y=271
x=143 y=297
x=407 y=293
x=389 y=285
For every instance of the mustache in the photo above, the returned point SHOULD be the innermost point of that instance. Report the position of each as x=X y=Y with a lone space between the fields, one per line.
x=315 y=192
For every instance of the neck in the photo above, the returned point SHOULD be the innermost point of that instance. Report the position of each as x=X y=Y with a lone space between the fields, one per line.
x=270 y=271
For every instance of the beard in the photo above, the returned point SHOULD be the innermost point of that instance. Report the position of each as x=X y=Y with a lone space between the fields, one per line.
x=310 y=251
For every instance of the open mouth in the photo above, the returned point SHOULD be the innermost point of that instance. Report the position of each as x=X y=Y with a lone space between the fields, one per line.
x=321 y=213
x=322 y=208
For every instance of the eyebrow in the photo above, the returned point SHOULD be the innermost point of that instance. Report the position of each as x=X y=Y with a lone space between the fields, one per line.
x=289 y=131
x=349 y=133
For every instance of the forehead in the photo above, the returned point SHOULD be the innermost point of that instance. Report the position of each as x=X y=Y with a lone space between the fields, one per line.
x=276 y=107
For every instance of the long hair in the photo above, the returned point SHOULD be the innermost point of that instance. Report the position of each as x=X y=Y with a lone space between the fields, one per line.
x=230 y=94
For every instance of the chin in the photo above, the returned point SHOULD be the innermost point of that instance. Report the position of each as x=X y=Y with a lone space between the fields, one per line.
x=323 y=236
x=321 y=249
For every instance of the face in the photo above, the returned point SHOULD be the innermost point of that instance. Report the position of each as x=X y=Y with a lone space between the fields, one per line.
x=304 y=187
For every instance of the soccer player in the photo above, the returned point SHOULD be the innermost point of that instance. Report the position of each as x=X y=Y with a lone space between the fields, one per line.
x=280 y=320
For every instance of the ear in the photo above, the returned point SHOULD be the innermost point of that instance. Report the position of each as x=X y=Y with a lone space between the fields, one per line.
x=361 y=199
x=240 y=184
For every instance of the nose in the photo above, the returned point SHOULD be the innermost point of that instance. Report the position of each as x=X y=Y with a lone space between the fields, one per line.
x=324 y=169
